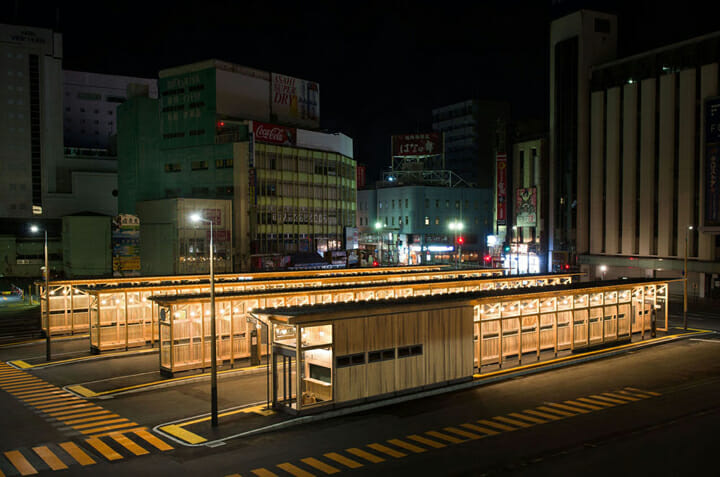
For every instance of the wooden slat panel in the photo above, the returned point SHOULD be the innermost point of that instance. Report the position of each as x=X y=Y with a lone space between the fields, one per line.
x=381 y=377
x=350 y=383
x=380 y=332
x=349 y=336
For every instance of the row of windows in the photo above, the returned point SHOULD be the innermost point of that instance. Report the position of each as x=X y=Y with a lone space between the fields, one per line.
x=82 y=121
x=290 y=189
x=391 y=220
x=82 y=110
x=328 y=166
x=391 y=203
x=199 y=165
x=357 y=359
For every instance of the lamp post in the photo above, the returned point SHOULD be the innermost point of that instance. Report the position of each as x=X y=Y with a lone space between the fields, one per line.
x=685 y=273
x=378 y=228
x=456 y=227
x=517 y=252
x=35 y=229
x=213 y=334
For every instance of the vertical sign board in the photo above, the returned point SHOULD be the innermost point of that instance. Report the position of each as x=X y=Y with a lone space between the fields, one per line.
x=501 y=166
x=712 y=162
x=526 y=206
x=126 y=245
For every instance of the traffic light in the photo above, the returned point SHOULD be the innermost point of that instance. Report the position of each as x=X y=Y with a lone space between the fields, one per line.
x=460 y=240
x=506 y=248
x=487 y=258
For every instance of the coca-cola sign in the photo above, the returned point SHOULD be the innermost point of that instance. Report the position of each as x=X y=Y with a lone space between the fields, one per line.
x=274 y=134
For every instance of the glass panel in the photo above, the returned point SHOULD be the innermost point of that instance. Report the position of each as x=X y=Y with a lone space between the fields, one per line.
x=316 y=335
x=285 y=334
x=316 y=376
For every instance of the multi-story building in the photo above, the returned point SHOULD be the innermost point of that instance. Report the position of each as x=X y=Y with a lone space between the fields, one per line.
x=646 y=145
x=470 y=134
x=210 y=136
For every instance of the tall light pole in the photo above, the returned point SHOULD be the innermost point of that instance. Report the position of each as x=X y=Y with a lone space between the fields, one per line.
x=517 y=252
x=378 y=228
x=48 y=355
x=213 y=333
x=685 y=274
x=456 y=227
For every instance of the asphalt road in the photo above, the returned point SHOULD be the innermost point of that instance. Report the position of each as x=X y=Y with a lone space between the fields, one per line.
x=669 y=434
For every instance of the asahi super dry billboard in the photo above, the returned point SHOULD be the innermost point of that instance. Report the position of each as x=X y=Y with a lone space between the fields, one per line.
x=295 y=101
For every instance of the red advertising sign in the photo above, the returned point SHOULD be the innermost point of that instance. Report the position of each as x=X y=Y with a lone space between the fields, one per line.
x=360 y=172
x=273 y=134
x=501 y=161
x=213 y=214
x=427 y=144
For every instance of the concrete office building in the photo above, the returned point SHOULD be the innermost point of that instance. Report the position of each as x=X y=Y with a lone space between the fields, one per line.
x=646 y=154
x=225 y=131
x=470 y=129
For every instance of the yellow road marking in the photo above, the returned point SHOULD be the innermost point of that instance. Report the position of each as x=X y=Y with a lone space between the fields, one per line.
x=365 y=455
x=71 y=419
x=406 y=446
x=63 y=407
x=29 y=387
x=180 y=433
x=263 y=473
x=496 y=425
x=576 y=410
x=445 y=437
x=320 y=465
x=65 y=413
x=512 y=422
x=233 y=475
x=35 y=395
x=155 y=441
x=90 y=419
x=21 y=364
x=527 y=418
x=652 y=393
x=77 y=453
x=635 y=394
x=485 y=430
x=104 y=449
x=82 y=390
x=340 y=459
x=617 y=396
x=556 y=411
x=20 y=463
x=544 y=415
x=608 y=399
x=465 y=434
x=95 y=430
x=386 y=450
x=50 y=459
x=427 y=442
x=101 y=423
x=52 y=399
x=20 y=380
x=296 y=471
x=595 y=402
x=126 y=430
x=128 y=443
x=582 y=406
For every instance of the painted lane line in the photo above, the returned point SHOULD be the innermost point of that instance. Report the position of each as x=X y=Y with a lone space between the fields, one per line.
x=76 y=453
x=37 y=402
x=386 y=450
x=427 y=442
x=107 y=428
x=50 y=458
x=72 y=419
x=652 y=393
x=582 y=406
x=444 y=437
x=483 y=430
x=90 y=419
x=125 y=431
x=60 y=414
x=608 y=399
x=576 y=410
x=365 y=455
x=544 y=415
x=407 y=446
x=619 y=396
x=496 y=425
x=467 y=435
x=261 y=472
x=103 y=449
x=556 y=411
x=320 y=465
x=155 y=441
x=512 y=422
x=341 y=459
x=595 y=402
x=20 y=462
x=294 y=470
x=128 y=443
x=635 y=394
x=534 y=420
x=182 y=434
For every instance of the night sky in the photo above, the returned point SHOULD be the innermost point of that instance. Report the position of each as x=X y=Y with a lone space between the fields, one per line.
x=382 y=66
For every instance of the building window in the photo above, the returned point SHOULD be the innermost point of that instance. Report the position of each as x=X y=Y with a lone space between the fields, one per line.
x=393 y=203
x=197 y=132
x=437 y=203
x=400 y=222
x=427 y=203
x=406 y=203
x=200 y=191
x=437 y=220
x=199 y=165
x=173 y=167
x=393 y=220
x=382 y=355
x=223 y=163
x=407 y=222
x=407 y=351
x=457 y=204
x=427 y=220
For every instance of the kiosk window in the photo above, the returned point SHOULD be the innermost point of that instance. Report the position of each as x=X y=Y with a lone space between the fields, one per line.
x=350 y=360
x=406 y=351
x=382 y=355
x=320 y=373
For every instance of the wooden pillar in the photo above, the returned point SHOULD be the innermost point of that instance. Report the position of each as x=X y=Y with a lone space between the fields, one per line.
x=127 y=331
x=72 y=311
x=501 y=335
x=572 y=322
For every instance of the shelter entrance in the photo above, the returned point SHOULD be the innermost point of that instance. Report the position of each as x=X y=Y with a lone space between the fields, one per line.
x=284 y=372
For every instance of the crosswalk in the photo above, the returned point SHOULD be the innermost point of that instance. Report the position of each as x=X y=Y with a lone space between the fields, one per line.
x=96 y=434
x=401 y=447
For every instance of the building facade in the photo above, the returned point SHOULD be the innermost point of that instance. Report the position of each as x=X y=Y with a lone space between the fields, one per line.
x=646 y=156
x=470 y=133
x=207 y=137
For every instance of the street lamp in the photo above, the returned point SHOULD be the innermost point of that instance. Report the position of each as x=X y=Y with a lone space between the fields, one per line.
x=603 y=269
x=517 y=252
x=35 y=229
x=213 y=334
x=456 y=227
x=378 y=227
x=685 y=273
